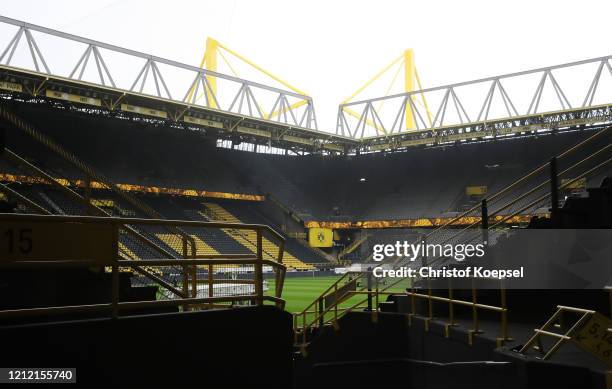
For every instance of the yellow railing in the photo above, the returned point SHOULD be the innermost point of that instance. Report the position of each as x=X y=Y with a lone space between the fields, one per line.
x=541 y=169
x=583 y=317
x=527 y=199
x=315 y=316
x=46 y=254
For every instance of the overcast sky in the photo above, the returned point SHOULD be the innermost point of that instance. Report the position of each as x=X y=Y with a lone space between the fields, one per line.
x=329 y=48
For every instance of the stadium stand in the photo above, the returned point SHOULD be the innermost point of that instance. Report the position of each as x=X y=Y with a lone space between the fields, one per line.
x=253 y=213
x=390 y=336
x=180 y=208
x=217 y=212
x=427 y=182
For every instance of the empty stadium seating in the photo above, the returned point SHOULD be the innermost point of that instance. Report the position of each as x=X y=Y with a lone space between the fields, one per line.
x=215 y=241
x=425 y=182
x=249 y=239
x=249 y=212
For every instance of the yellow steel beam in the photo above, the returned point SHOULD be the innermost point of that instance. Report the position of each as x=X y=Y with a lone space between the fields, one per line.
x=409 y=78
x=397 y=72
x=289 y=108
x=406 y=61
x=220 y=52
x=209 y=62
x=267 y=73
x=234 y=72
x=210 y=57
x=209 y=48
x=371 y=80
x=266 y=115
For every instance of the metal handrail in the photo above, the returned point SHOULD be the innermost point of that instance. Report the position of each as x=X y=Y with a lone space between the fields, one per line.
x=329 y=289
x=24 y=200
x=11 y=156
x=92 y=173
x=73 y=309
x=320 y=316
x=524 y=178
x=585 y=314
x=89 y=171
x=133 y=220
x=568 y=183
x=506 y=217
x=188 y=264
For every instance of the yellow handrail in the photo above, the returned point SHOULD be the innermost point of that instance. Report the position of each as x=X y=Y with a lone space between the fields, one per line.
x=319 y=314
x=188 y=263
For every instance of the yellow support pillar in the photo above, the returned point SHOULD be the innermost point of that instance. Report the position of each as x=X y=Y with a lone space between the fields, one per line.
x=409 y=78
x=210 y=60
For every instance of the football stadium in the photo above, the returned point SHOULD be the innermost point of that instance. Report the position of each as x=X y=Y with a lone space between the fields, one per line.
x=167 y=224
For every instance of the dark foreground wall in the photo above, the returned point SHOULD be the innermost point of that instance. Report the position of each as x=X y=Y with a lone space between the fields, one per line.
x=391 y=352
x=244 y=347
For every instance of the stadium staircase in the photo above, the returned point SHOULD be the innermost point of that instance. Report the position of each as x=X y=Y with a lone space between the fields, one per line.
x=247 y=239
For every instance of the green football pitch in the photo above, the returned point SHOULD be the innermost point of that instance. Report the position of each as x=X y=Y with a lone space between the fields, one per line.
x=299 y=292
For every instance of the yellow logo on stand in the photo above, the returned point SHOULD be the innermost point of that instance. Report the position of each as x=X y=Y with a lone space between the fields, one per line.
x=321 y=237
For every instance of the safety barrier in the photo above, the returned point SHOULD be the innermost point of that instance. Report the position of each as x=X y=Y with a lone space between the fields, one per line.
x=316 y=316
x=94 y=242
